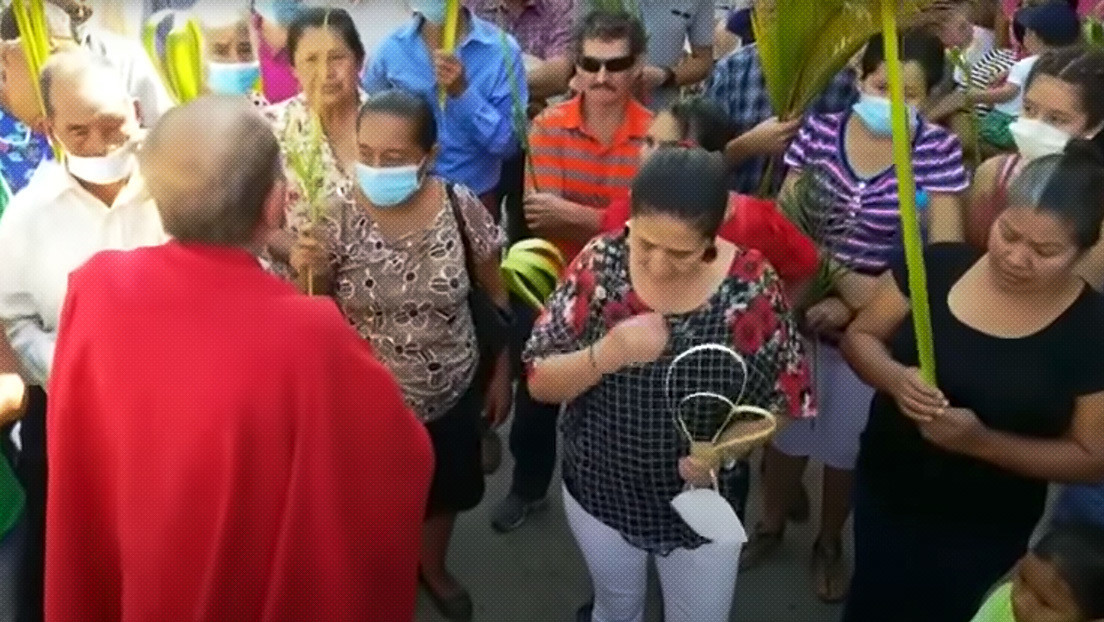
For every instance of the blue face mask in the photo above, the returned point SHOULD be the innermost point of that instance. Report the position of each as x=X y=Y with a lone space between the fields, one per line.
x=283 y=12
x=432 y=10
x=875 y=114
x=232 y=78
x=388 y=187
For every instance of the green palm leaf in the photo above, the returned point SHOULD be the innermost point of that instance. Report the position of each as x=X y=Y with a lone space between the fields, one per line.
x=801 y=49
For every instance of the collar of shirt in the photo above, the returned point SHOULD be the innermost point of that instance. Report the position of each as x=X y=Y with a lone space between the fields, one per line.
x=57 y=183
x=478 y=31
x=569 y=116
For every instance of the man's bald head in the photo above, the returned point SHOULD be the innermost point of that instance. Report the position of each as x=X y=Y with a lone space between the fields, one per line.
x=213 y=166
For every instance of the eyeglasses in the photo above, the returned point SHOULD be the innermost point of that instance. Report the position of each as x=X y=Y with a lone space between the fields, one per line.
x=590 y=64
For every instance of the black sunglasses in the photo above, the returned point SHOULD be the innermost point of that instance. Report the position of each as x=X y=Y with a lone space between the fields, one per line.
x=590 y=64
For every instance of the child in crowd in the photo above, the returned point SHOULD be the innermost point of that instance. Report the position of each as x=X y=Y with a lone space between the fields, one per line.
x=1039 y=28
x=1060 y=580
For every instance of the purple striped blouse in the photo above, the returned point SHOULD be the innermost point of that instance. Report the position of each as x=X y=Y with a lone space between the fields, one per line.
x=864 y=231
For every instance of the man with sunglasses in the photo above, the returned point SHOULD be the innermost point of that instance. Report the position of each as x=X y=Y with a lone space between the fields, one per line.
x=585 y=153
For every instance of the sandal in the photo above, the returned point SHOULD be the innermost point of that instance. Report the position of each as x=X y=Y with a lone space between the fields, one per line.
x=831 y=573
x=760 y=546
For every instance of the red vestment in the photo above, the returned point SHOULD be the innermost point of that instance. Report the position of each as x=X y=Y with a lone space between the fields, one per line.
x=222 y=448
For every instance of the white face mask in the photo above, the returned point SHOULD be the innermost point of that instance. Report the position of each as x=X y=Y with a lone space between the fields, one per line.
x=106 y=169
x=1035 y=139
x=708 y=514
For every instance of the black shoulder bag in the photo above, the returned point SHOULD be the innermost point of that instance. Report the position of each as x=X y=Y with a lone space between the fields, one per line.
x=492 y=324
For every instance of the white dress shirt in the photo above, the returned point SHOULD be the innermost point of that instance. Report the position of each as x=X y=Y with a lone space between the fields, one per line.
x=49 y=229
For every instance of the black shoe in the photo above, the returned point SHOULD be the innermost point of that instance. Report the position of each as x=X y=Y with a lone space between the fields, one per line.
x=585 y=613
x=458 y=607
x=512 y=512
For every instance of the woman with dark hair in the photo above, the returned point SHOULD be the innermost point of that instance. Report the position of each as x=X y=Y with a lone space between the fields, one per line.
x=327 y=56
x=1063 y=99
x=952 y=478
x=628 y=305
x=395 y=258
x=851 y=155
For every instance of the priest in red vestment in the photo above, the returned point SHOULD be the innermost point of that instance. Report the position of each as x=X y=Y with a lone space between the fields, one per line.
x=222 y=448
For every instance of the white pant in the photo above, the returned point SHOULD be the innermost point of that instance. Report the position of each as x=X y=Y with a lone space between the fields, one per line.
x=697 y=584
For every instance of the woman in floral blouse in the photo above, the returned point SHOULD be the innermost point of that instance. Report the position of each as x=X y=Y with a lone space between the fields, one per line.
x=629 y=303
x=327 y=55
x=394 y=260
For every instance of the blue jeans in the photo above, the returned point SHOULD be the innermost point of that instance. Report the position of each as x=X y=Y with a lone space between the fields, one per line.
x=11 y=561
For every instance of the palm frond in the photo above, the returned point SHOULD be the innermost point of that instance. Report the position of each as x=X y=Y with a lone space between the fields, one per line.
x=801 y=49
x=811 y=208
x=1094 y=32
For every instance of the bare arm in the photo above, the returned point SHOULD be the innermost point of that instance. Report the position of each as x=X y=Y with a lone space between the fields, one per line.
x=945 y=212
x=695 y=67
x=563 y=377
x=1076 y=457
x=864 y=343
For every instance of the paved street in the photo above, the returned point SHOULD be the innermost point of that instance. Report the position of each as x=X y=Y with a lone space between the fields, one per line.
x=537 y=575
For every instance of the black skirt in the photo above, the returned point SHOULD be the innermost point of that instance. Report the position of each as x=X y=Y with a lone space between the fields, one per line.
x=457 y=446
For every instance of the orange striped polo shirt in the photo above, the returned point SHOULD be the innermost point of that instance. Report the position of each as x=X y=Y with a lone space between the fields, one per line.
x=568 y=160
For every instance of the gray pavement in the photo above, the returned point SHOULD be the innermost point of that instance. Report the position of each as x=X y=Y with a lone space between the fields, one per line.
x=536 y=573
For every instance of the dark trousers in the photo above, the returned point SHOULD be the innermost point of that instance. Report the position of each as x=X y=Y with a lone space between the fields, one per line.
x=30 y=468
x=914 y=569
x=533 y=435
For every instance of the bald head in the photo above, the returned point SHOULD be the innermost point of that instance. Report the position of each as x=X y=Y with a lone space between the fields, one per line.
x=212 y=166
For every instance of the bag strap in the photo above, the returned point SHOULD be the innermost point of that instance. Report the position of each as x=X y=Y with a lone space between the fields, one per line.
x=462 y=227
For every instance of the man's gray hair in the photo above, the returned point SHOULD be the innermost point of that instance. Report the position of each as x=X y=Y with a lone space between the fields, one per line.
x=79 y=65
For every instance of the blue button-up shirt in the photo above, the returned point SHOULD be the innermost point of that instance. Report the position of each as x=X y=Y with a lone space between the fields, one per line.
x=477 y=130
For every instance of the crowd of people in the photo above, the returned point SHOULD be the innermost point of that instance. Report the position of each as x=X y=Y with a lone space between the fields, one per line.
x=266 y=364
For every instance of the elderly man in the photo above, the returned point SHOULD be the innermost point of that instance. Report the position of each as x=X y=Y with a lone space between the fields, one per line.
x=270 y=470
x=65 y=214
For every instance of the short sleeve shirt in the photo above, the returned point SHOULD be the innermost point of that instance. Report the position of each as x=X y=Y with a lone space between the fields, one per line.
x=863 y=228
x=621 y=442
x=1025 y=386
x=1017 y=75
x=409 y=297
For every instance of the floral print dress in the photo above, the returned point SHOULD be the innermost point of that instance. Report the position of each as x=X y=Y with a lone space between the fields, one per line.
x=409 y=296
x=621 y=442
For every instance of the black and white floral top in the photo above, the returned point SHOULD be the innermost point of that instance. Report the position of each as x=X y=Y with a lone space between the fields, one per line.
x=409 y=297
x=621 y=442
